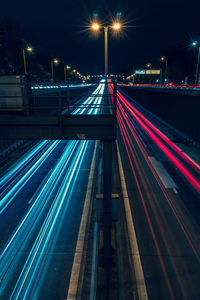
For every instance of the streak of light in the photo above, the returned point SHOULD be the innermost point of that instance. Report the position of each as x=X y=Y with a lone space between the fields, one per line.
x=164 y=137
x=127 y=146
x=181 y=220
x=35 y=258
x=193 y=181
x=180 y=166
x=9 y=175
x=54 y=195
x=5 y=201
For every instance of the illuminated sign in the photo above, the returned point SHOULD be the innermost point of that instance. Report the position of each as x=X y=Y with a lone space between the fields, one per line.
x=140 y=72
x=152 y=72
x=147 y=72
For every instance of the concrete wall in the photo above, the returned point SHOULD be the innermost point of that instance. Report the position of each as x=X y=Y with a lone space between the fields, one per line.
x=181 y=111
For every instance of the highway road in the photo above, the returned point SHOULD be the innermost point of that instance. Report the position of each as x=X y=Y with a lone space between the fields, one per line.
x=42 y=200
x=45 y=194
x=163 y=189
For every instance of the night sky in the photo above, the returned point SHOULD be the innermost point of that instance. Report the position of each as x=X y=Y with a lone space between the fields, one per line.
x=59 y=28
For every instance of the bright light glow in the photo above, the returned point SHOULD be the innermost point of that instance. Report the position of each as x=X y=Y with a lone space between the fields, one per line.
x=194 y=43
x=29 y=49
x=55 y=61
x=68 y=67
x=162 y=58
x=95 y=26
x=116 y=26
x=148 y=65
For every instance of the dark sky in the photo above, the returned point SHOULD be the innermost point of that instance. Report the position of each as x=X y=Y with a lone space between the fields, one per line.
x=59 y=29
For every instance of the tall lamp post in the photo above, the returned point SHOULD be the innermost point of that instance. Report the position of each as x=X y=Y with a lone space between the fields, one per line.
x=150 y=67
x=29 y=49
x=163 y=58
x=96 y=26
x=54 y=61
x=197 y=68
x=66 y=68
x=74 y=74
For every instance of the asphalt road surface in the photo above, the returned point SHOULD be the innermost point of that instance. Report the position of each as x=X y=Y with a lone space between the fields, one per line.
x=163 y=188
x=43 y=196
x=42 y=200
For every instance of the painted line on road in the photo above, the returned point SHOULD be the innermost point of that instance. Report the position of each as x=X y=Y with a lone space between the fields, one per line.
x=94 y=268
x=75 y=283
x=164 y=176
x=135 y=255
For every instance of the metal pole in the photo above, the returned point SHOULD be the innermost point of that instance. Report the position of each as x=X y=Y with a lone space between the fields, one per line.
x=24 y=57
x=59 y=100
x=65 y=75
x=165 y=79
x=106 y=49
x=160 y=77
x=133 y=81
x=52 y=78
x=197 y=70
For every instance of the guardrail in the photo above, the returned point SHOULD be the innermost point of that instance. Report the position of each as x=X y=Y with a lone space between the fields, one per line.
x=47 y=116
x=58 y=86
x=170 y=86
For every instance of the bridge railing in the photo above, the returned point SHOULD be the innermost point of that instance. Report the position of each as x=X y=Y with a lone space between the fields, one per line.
x=59 y=101
x=62 y=115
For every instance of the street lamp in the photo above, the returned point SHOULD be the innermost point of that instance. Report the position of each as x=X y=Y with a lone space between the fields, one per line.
x=29 y=49
x=115 y=26
x=74 y=74
x=163 y=58
x=53 y=61
x=65 y=74
x=95 y=26
x=150 y=67
x=195 y=43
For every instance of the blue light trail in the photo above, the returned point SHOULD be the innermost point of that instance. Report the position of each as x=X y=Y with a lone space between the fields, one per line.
x=26 y=255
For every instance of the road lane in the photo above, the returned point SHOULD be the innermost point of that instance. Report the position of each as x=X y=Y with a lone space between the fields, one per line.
x=39 y=229
x=167 y=231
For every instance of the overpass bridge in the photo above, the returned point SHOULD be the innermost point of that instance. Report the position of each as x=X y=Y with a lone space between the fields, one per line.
x=94 y=220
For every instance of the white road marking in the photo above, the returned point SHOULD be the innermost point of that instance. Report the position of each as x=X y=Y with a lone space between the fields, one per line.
x=78 y=258
x=164 y=176
x=94 y=262
x=135 y=255
x=175 y=191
